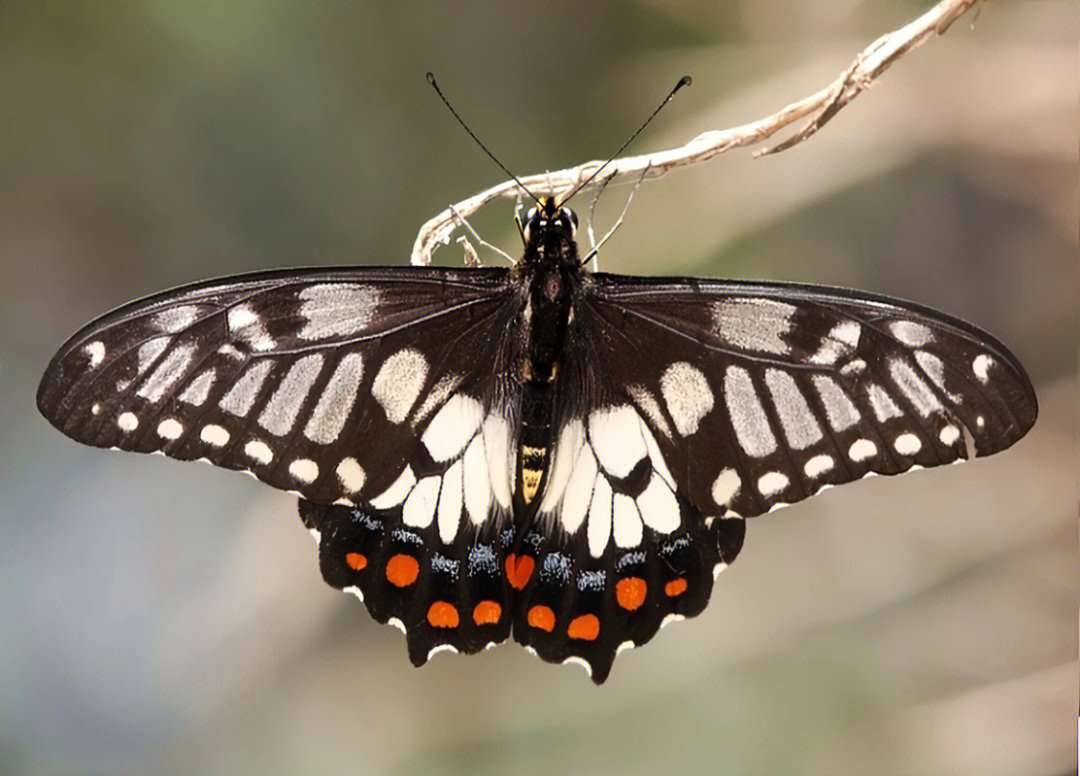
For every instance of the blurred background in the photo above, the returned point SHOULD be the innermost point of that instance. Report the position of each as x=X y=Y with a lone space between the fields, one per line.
x=165 y=618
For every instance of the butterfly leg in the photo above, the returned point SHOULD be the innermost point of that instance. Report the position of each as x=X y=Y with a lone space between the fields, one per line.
x=472 y=232
x=594 y=251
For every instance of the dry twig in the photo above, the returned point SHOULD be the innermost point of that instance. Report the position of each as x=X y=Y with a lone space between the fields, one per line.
x=820 y=106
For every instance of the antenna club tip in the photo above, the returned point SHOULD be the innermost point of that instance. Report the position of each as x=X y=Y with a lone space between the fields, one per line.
x=430 y=76
x=684 y=81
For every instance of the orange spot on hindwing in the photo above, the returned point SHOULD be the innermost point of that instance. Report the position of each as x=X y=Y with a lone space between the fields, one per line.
x=518 y=570
x=442 y=615
x=675 y=587
x=586 y=627
x=630 y=592
x=487 y=613
x=542 y=617
x=355 y=561
x=402 y=570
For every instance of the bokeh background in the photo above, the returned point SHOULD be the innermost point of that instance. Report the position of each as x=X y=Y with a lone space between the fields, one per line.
x=166 y=618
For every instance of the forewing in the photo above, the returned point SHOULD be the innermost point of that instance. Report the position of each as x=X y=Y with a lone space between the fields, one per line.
x=762 y=394
x=317 y=382
x=382 y=397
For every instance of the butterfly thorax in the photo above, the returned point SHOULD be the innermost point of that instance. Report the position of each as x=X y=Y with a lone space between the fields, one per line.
x=551 y=270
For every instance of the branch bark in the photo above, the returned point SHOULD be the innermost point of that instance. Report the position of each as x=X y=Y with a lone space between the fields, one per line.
x=821 y=106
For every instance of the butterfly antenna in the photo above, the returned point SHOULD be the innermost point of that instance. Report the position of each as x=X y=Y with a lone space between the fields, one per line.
x=684 y=81
x=431 y=80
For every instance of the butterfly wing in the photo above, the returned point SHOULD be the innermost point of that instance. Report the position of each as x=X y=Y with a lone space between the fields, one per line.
x=688 y=405
x=382 y=397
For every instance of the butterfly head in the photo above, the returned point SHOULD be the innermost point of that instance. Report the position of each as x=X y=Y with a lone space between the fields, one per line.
x=549 y=231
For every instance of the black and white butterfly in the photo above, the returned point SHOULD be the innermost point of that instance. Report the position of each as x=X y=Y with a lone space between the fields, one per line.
x=542 y=451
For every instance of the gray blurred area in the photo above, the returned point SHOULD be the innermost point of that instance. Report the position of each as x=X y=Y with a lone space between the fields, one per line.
x=158 y=617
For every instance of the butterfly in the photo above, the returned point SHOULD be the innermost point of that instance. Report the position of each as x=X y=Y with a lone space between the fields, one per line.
x=542 y=451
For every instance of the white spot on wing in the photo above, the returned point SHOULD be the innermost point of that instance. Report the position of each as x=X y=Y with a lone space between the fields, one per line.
x=839 y=408
x=398 y=382
x=563 y=460
x=747 y=415
x=912 y=334
x=500 y=457
x=420 y=505
x=198 y=389
x=771 y=483
x=127 y=421
x=881 y=403
x=725 y=487
x=150 y=350
x=166 y=373
x=615 y=436
x=655 y=456
x=798 y=422
x=397 y=491
x=281 y=410
x=599 y=527
x=174 y=319
x=687 y=395
x=246 y=326
x=670 y=618
x=214 y=435
x=579 y=661
x=239 y=398
x=304 y=470
x=935 y=368
x=450 y=497
x=840 y=342
x=754 y=324
x=658 y=507
x=862 y=449
x=350 y=475
x=336 y=309
x=452 y=427
x=578 y=492
x=818 y=465
x=477 y=484
x=258 y=451
x=626 y=521
x=914 y=387
x=95 y=351
x=980 y=366
x=647 y=403
x=441 y=648
x=170 y=428
x=336 y=400
x=436 y=396
x=907 y=444
x=949 y=435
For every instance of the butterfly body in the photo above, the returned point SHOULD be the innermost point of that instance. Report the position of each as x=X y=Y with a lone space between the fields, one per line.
x=541 y=452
